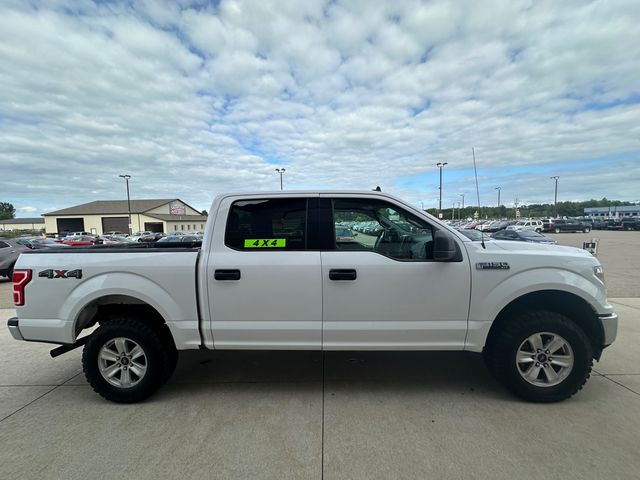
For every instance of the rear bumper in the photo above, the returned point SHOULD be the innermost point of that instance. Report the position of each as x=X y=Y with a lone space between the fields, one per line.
x=41 y=330
x=14 y=329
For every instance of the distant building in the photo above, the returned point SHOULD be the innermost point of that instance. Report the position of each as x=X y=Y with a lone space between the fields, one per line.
x=101 y=216
x=22 y=224
x=615 y=212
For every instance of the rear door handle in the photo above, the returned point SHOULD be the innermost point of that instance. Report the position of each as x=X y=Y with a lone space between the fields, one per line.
x=343 y=274
x=227 y=275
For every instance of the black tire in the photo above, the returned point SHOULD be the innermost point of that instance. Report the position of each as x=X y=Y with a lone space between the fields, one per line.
x=502 y=358
x=587 y=230
x=158 y=359
x=557 y=230
x=10 y=272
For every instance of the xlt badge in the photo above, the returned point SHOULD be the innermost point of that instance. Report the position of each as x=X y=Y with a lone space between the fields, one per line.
x=492 y=266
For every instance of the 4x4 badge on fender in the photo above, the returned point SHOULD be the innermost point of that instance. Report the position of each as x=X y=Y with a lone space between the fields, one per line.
x=61 y=274
x=492 y=266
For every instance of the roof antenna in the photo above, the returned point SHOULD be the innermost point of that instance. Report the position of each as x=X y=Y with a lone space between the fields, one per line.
x=475 y=170
x=377 y=189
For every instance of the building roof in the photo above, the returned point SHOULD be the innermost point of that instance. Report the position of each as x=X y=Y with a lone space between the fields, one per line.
x=177 y=218
x=20 y=221
x=626 y=208
x=108 y=207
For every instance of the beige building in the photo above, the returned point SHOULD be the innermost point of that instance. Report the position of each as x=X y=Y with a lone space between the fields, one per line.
x=101 y=216
x=22 y=224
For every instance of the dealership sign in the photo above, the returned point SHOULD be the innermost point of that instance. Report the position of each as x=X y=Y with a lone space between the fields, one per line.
x=176 y=209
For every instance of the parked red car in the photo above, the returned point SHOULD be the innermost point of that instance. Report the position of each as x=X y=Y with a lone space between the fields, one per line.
x=79 y=241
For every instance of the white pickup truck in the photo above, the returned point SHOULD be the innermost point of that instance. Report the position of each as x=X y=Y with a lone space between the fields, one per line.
x=271 y=274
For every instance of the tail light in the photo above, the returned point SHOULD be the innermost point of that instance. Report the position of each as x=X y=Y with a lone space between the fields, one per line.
x=20 y=279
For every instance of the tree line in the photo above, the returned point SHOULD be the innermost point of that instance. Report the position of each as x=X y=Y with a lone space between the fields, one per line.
x=7 y=211
x=541 y=210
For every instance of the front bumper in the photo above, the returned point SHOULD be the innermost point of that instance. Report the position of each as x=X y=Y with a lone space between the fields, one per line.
x=610 y=327
x=14 y=329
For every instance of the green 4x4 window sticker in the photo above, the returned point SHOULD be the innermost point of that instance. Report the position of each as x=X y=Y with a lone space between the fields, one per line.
x=265 y=243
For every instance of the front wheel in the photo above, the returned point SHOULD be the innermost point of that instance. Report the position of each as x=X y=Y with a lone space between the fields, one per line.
x=125 y=360
x=587 y=230
x=542 y=357
x=557 y=230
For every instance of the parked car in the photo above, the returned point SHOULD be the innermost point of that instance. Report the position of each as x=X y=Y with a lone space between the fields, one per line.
x=631 y=223
x=523 y=236
x=497 y=226
x=136 y=237
x=535 y=225
x=614 y=224
x=115 y=240
x=180 y=238
x=475 y=234
x=547 y=224
x=10 y=250
x=152 y=237
x=79 y=241
x=39 y=242
x=599 y=224
x=344 y=234
x=570 y=225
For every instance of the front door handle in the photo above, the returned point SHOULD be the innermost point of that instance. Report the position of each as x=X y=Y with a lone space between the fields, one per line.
x=227 y=275
x=343 y=274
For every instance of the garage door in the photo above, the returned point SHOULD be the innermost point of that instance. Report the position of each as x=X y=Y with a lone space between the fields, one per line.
x=154 y=227
x=115 y=224
x=69 y=225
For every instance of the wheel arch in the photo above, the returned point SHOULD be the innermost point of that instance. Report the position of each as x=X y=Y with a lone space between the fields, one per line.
x=565 y=303
x=108 y=307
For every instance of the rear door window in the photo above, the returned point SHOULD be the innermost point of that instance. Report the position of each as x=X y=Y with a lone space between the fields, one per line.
x=267 y=225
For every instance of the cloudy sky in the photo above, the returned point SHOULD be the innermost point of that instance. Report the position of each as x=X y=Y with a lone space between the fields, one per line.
x=198 y=98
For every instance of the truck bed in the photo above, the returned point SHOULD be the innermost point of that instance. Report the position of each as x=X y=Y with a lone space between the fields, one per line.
x=69 y=284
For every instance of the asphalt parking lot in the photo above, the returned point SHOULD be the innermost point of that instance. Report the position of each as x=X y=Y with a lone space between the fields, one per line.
x=336 y=415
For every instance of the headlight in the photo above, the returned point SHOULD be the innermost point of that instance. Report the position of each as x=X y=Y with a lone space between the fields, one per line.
x=598 y=271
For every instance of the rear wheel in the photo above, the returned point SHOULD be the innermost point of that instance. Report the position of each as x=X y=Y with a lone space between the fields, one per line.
x=542 y=357
x=125 y=360
x=587 y=230
x=557 y=230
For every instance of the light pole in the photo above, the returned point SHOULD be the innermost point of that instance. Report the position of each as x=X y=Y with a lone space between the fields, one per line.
x=280 y=171
x=440 y=165
x=126 y=179
x=462 y=195
x=498 y=188
x=555 y=200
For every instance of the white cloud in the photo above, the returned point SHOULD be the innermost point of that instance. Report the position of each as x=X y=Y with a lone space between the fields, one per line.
x=27 y=209
x=193 y=100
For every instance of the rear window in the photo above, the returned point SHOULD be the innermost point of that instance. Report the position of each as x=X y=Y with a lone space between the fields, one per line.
x=270 y=224
x=4 y=245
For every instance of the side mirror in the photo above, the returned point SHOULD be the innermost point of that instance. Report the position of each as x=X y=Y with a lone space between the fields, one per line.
x=445 y=248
